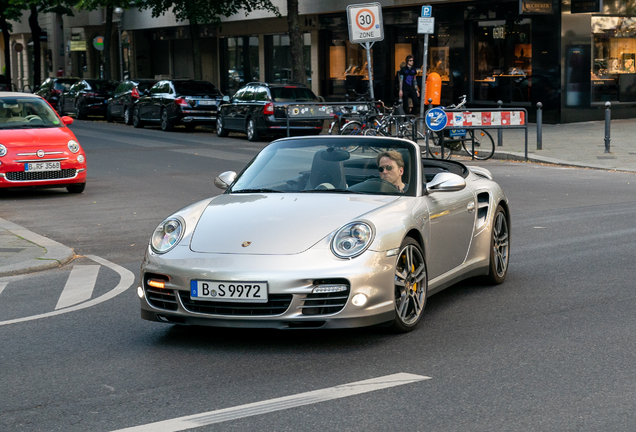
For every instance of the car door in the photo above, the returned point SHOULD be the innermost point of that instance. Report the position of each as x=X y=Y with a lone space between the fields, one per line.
x=452 y=221
x=232 y=109
x=71 y=95
x=243 y=107
x=145 y=102
x=118 y=99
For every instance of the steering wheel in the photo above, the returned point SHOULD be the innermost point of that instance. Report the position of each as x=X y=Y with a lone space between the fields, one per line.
x=383 y=183
x=324 y=186
x=32 y=117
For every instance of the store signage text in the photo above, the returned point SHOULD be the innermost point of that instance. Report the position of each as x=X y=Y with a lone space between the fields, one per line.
x=586 y=6
x=499 y=32
x=535 y=7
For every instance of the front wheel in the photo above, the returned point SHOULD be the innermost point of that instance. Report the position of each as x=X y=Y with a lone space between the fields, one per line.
x=166 y=125
x=76 y=188
x=435 y=149
x=252 y=133
x=484 y=144
x=80 y=114
x=352 y=128
x=410 y=286
x=137 y=123
x=127 y=116
x=499 y=247
x=220 y=128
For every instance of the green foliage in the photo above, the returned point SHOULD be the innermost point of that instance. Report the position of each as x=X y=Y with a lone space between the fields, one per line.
x=98 y=4
x=205 y=11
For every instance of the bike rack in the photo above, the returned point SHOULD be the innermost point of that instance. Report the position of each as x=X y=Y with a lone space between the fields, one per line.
x=481 y=118
x=325 y=111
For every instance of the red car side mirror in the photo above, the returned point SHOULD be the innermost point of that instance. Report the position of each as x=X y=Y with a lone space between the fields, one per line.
x=67 y=120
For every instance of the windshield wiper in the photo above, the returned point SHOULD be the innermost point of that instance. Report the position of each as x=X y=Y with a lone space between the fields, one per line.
x=262 y=190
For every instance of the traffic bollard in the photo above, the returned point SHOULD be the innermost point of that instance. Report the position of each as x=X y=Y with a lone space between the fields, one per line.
x=499 y=131
x=608 y=118
x=539 y=126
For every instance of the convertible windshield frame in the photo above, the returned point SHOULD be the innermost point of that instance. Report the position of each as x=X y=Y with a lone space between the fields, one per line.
x=327 y=165
x=19 y=112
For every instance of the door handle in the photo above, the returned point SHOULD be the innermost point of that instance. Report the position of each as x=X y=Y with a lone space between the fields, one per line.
x=470 y=207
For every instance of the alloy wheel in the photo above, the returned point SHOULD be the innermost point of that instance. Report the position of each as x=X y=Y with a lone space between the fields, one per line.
x=410 y=284
x=500 y=244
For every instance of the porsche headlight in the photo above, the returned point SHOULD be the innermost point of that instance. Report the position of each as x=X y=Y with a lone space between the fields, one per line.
x=73 y=146
x=167 y=235
x=3 y=150
x=352 y=239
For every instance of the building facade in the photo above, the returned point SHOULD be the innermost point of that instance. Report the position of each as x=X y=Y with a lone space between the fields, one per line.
x=571 y=55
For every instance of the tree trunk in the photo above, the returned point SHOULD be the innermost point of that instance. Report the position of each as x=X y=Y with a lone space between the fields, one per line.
x=7 y=50
x=36 y=31
x=108 y=35
x=296 y=44
x=196 y=49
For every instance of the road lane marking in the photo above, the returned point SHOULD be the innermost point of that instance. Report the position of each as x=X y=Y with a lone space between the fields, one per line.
x=79 y=286
x=217 y=154
x=278 y=404
x=2 y=286
x=126 y=279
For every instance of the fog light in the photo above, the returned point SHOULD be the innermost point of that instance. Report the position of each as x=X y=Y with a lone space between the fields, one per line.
x=329 y=288
x=80 y=159
x=359 y=300
x=140 y=292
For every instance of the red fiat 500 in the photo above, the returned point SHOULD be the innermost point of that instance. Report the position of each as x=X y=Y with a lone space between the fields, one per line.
x=37 y=149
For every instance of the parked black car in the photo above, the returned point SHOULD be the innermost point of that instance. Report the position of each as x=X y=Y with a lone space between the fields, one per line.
x=173 y=102
x=126 y=94
x=86 y=97
x=52 y=88
x=260 y=109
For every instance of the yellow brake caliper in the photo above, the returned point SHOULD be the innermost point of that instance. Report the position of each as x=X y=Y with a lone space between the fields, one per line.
x=415 y=284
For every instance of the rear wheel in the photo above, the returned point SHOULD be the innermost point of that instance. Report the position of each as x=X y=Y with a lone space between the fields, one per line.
x=435 y=149
x=252 y=133
x=80 y=113
x=484 y=145
x=220 y=127
x=410 y=286
x=499 y=247
x=109 y=115
x=127 y=116
x=166 y=125
x=136 y=118
x=351 y=128
x=76 y=188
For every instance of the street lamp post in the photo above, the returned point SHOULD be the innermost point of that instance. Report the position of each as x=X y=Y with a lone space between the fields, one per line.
x=118 y=15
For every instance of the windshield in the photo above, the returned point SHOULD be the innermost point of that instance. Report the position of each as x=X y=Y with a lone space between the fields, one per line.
x=27 y=113
x=196 y=89
x=330 y=165
x=292 y=94
x=63 y=84
x=102 y=86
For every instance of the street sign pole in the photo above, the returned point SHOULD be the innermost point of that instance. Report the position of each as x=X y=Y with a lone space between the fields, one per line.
x=368 y=46
x=426 y=25
x=422 y=96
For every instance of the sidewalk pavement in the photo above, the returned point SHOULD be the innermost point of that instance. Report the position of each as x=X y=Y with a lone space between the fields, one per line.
x=573 y=144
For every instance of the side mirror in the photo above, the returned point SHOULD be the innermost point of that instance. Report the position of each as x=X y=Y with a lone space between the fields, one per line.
x=226 y=99
x=224 y=180
x=446 y=182
x=67 y=120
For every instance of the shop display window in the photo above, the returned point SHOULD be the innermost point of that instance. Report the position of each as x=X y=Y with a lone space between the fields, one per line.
x=348 y=69
x=241 y=62
x=614 y=54
x=503 y=61
x=278 y=59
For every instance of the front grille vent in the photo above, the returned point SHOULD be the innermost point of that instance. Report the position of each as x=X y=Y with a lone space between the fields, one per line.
x=277 y=304
x=41 y=175
x=159 y=297
x=326 y=303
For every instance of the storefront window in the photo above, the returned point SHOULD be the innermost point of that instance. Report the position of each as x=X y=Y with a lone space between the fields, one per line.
x=240 y=55
x=503 y=61
x=278 y=59
x=614 y=68
x=348 y=70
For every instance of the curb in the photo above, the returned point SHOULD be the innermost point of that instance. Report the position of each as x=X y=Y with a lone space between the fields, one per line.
x=56 y=254
x=504 y=155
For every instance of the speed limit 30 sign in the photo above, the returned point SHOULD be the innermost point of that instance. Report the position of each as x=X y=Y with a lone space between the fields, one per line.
x=365 y=22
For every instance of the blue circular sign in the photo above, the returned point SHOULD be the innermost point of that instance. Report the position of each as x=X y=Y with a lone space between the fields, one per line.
x=436 y=119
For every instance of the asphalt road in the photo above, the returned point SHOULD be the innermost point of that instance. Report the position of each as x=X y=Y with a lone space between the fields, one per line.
x=552 y=349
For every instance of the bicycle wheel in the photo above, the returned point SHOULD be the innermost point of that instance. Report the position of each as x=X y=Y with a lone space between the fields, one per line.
x=484 y=144
x=352 y=128
x=435 y=149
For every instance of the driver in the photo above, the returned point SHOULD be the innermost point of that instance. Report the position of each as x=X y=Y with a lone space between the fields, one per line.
x=391 y=168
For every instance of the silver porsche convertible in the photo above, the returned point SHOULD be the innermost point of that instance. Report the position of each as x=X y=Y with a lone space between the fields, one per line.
x=327 y=232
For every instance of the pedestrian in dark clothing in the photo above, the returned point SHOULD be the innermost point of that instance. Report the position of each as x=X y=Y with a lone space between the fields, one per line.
x=408 y=85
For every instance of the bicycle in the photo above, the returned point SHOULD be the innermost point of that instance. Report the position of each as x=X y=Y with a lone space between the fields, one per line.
x=478 y=139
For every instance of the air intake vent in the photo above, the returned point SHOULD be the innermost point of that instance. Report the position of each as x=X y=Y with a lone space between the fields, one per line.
x=483 y=203
x=277 y=304
x=41 y=175
x=328 y=302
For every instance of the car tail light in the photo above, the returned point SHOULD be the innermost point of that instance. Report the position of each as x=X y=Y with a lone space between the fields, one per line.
x=91 y=95
x=269 y=108
x=181 y=102
x=56 y=92
x=291 y=87
x=134 y=93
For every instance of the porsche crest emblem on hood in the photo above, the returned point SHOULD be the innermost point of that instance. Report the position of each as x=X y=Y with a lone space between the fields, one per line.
x=246 y=243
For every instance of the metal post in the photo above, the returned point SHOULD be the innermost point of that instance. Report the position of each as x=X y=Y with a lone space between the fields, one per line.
x=499 y=131
x=423 y=87
x=368 y=46
x=608 y=118
x=539 y=126
x=121 y=57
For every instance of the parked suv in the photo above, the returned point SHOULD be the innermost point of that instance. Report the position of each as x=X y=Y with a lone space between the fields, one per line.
x=260 y=109
x=126 y=94
x=86 y=97
x=172 y=102
x=52 y=88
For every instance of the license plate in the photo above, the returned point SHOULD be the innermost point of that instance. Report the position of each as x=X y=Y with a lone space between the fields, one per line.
x=42 y=166
x=206 y=102
x=250 y=292
x=454 y=133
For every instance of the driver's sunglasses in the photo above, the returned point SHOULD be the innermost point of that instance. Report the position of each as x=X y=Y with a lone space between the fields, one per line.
x=387 y=167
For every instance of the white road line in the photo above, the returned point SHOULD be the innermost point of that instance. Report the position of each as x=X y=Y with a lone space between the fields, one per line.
x=79 y=286
x=126 y=279
x=2 y=286
x=216 y=154
x=312 y=397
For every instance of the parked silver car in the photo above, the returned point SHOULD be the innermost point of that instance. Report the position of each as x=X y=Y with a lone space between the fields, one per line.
x=313 y=234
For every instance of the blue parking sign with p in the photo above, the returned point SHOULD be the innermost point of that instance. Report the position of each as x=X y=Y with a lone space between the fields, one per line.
x=427 y=11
